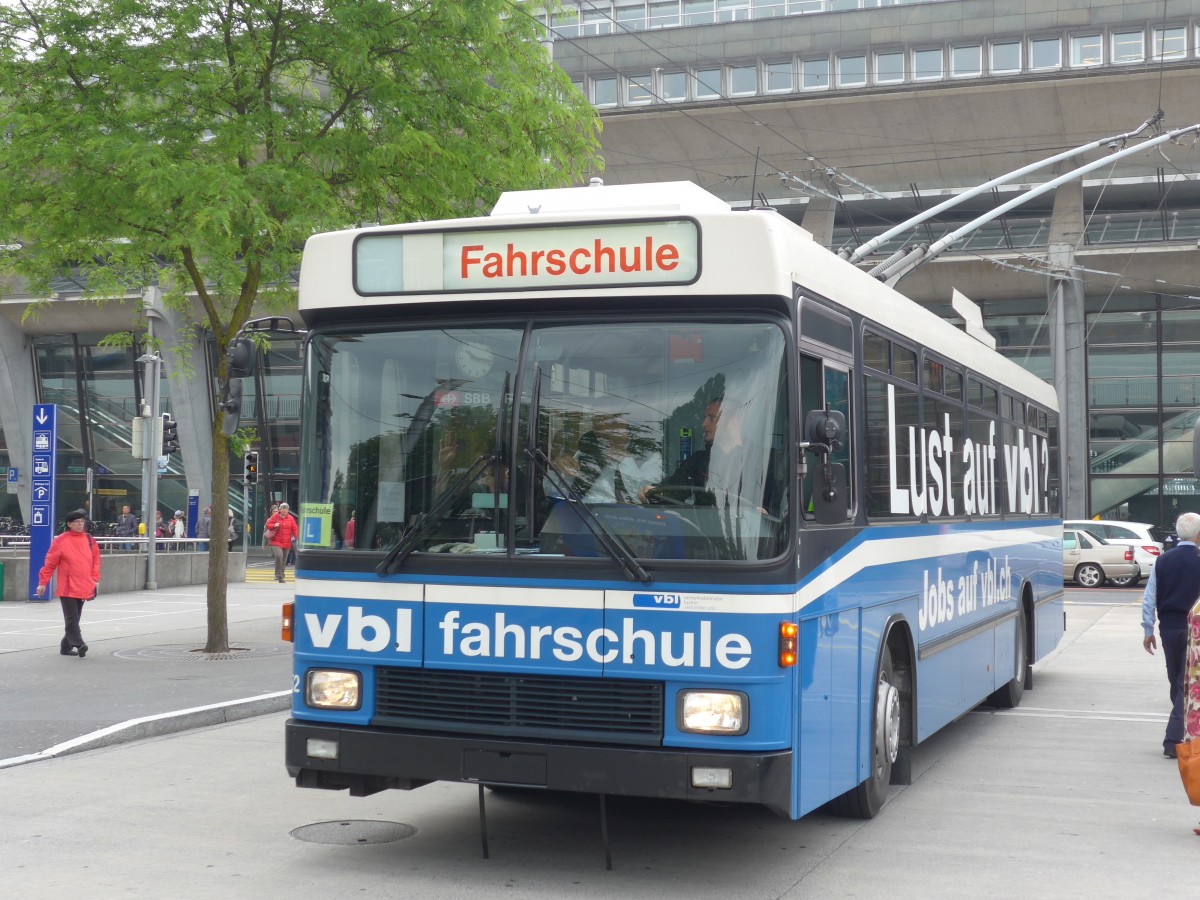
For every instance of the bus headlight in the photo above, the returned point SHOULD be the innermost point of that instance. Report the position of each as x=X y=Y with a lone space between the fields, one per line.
x=713 y=712
x=333 y=689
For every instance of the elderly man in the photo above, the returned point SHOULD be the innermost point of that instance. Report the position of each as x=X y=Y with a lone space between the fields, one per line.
x=1170 y=593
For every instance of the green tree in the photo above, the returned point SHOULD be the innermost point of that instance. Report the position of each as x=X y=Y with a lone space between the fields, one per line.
x=195 y=144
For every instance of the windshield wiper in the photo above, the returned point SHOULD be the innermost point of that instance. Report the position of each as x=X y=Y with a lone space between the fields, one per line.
x=435 y=515
x=605 y=537
x=612 y=544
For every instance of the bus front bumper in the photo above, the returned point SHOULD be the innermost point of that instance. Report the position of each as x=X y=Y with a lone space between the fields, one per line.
x=365 y=760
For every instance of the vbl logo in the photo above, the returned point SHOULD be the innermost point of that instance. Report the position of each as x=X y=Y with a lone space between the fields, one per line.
x=657 y=601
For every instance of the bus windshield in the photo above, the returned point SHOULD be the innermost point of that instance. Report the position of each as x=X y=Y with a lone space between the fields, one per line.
x=668 y=436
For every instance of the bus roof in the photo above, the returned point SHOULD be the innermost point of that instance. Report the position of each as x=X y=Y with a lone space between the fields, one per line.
x=647 y=240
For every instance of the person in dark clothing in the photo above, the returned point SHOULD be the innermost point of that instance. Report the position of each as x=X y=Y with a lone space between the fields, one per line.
x=1170 y=594
x=693 y=471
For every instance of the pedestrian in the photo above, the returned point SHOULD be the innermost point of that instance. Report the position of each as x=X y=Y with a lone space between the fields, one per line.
x=160 y=529
x=231 y=531
x=274 y=512
x=75 y=556
x=348 y=532
x=280 y=533
x=1191 y=702
x=127 y=525
x=204 y=528
x=1170 y=593
x=178 y=529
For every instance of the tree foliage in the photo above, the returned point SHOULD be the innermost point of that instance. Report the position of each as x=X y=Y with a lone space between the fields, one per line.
x=196 y=144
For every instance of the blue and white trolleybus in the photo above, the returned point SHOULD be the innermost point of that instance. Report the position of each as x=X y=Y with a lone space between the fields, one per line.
x=619 y=490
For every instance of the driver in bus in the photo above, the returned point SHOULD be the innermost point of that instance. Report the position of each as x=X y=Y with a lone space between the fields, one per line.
x=693 y=471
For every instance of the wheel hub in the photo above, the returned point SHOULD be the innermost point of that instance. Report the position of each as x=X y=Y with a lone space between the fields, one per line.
x=887 y=701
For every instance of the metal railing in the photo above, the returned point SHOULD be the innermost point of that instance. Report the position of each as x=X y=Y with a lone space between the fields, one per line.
x=114 y=545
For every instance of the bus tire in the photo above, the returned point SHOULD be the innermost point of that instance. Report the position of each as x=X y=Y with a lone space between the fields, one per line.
x=1009 y=696
x=865 y=801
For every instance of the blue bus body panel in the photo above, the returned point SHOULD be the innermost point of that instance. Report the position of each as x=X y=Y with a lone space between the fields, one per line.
x=955 y=588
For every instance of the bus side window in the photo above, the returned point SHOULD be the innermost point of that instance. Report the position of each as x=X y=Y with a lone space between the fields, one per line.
x=824 y=387
x=810 y=399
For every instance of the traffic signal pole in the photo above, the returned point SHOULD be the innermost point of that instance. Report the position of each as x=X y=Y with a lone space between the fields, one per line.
x=150 y=450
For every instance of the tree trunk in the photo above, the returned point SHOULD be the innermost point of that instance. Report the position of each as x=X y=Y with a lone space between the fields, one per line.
x=218 y=547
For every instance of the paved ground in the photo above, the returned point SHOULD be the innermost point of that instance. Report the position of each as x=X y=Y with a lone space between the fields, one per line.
x=1066 y=797
x=143 y=664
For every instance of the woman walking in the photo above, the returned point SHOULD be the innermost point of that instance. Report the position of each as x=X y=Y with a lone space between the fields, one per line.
x=280 y=533
x=1191 y=671
x=76 y=558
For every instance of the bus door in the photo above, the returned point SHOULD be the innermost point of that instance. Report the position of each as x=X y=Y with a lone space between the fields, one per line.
x=830 y=624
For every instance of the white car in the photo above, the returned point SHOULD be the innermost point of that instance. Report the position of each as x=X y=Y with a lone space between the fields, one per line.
x=1138 y=535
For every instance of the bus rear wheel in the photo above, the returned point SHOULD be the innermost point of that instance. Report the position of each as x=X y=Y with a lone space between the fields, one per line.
x=865 y=801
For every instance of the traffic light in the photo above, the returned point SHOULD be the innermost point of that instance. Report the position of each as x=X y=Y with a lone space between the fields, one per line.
x=170 y=435
x=250 y=466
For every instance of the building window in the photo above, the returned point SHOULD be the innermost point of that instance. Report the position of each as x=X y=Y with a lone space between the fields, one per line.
x=733 y=10
x=927 y=64
x=674 y=86
x=1170 y=43
x=664 y=14
x=1087 y=50
x=698 y=12
x=814 y=74
x=851 y=71
x=769 y=9
x=1045 y=53
x=707 y=84
x=1006 y=57
x=1128 y=46
x=604 y=91
x=743 y=80
x=966 y=62
x=779 y=77
x=597 y=19
x=630 y=15
x=889 y=67
x=638 y=90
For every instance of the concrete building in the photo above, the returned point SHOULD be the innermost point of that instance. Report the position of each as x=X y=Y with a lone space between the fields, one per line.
x=848 y=116
x=59 y=350
x=852 y=116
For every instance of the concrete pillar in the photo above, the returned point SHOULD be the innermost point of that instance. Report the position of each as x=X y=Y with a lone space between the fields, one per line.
x=820 y=213
x=186 y=367
x=1068 y=335
x=17 y=397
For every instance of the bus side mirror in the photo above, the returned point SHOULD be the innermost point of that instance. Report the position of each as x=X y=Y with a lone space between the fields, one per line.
x=231 y=404
x=824 y=434
x=240 y=358
x=826 y=427
x=830 y=498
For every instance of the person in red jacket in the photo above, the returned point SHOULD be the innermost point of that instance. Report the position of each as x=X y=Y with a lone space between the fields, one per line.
x=76 y=558
x=282 y=531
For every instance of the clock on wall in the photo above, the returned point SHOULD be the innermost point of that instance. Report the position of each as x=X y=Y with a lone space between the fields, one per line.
x=474 y=360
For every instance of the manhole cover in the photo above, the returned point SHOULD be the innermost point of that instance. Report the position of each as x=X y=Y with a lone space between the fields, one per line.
x=348 y=832
x=189 y=652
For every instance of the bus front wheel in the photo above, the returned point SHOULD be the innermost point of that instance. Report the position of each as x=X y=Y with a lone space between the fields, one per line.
x=865 y=801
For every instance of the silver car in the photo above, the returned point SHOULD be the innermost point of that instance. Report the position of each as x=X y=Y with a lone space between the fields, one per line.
x=1090 y=561
x=1138 y=535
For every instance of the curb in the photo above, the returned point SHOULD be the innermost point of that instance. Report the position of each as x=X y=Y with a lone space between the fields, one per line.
x=160 y=724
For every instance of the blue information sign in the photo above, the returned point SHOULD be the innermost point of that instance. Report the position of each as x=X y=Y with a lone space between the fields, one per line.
x=193 y=512
x=41 y=491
